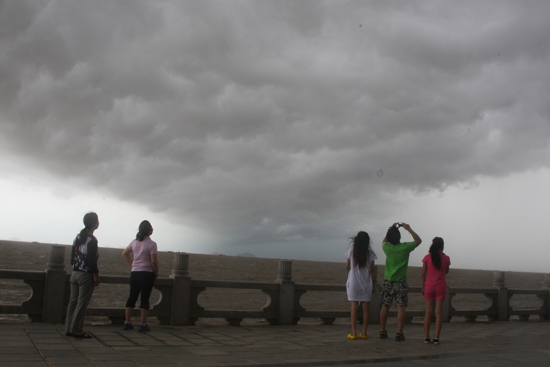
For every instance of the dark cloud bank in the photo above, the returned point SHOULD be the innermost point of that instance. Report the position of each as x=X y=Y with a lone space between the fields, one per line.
x=265 y=122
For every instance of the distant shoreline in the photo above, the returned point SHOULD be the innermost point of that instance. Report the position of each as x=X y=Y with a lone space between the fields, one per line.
x=23 y=256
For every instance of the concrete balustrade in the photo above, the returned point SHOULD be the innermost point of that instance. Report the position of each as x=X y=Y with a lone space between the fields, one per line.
x=179 y=305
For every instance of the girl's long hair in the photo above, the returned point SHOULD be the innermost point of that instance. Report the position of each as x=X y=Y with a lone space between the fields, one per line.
x=435 y=251
x=145 y=229
x=90 y=221
x=361 y=245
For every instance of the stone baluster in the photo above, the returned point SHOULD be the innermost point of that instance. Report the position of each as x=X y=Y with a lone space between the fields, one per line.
x=503 y=299
x=285 y=270
x=446 y=310
x=546 y=300
x=499 y=279
x=181 y=292
x=286 y=299
x=374 y=306
x=181 y=264
x=54 y=295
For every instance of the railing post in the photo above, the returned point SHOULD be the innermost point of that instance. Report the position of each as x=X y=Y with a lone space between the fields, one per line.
x=546 y=285
x=286 y=300
x=54 y=294
x=181 y=291
x=446 y=312
x=502 y=308
x=374 y=306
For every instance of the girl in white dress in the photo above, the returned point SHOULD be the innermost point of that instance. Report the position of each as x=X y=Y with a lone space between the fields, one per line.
x=360 y=285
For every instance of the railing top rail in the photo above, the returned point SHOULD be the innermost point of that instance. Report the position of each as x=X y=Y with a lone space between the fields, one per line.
x=473 y=290
x=125 y=279
x=233 y=284
x=320 y=287
x=528 y=291
x=21 y=274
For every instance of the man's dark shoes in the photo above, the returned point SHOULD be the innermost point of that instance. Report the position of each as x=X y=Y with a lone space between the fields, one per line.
x=399 y=337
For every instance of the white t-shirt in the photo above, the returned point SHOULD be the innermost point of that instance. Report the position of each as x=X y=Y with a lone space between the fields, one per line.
x=359 y=284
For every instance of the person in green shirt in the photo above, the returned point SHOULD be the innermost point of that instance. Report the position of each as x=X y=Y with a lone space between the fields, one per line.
x=395 y=277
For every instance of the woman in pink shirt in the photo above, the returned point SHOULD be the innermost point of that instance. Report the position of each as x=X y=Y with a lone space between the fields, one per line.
x=434 y=286
x=145 y=272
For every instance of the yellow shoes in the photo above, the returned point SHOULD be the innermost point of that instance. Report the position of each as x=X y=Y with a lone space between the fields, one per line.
x=362 y=336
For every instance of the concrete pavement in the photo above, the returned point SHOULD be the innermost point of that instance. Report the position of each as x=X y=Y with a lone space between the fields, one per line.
x=512 y=343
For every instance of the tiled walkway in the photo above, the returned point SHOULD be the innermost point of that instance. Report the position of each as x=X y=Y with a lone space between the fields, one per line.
x=511 y=343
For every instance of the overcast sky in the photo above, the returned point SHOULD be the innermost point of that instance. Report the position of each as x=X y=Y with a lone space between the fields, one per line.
x=279 y=128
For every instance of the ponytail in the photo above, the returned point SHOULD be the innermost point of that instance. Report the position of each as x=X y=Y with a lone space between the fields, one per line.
x=435 y=251
x=145 y=229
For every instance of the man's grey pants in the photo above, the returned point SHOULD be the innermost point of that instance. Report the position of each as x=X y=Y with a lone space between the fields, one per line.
x=82 y=288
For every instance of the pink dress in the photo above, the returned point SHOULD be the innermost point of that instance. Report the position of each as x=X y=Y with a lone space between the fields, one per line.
x=435 y=286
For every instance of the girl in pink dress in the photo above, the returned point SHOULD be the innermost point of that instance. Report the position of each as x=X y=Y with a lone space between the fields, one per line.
x=434 y=286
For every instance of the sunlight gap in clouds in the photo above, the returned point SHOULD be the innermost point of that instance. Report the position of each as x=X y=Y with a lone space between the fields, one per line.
x=47 y=210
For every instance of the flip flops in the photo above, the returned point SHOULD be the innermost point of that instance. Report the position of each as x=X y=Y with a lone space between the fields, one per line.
x=83 y=335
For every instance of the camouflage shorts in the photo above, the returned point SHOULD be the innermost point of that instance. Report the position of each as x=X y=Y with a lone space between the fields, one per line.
x=398 y=290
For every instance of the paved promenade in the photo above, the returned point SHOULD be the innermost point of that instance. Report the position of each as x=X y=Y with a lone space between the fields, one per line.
x=511 y=343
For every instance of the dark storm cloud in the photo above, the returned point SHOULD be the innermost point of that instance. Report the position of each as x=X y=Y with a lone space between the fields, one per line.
x=270 y=120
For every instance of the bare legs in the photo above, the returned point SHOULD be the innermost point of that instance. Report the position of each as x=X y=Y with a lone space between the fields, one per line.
x=144 y=313
x=384 y=317
x=365 y=317
x=128 y=314
x=401 y=315
x=354 y=309
x=438 y=317
x=354 y=312
x=400 y=319
x=428 y=318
